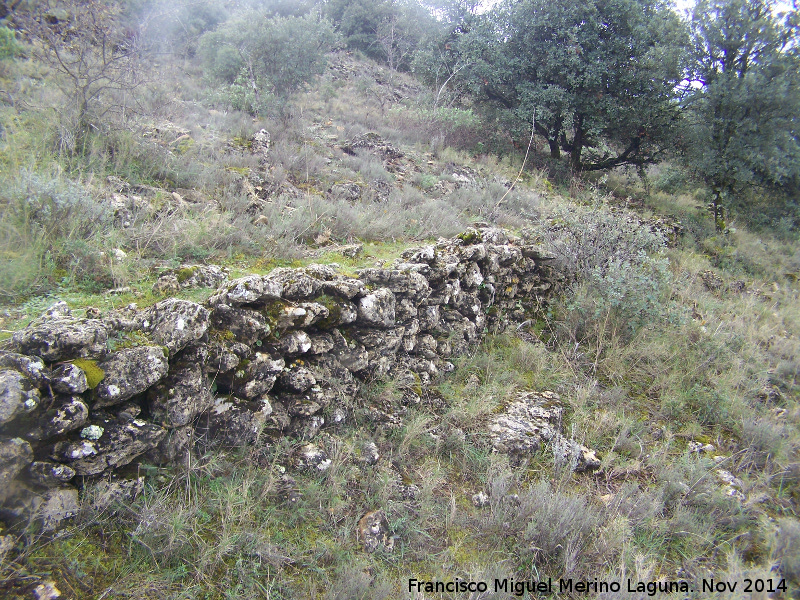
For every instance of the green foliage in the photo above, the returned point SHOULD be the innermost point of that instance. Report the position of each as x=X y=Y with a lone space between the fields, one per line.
x=258 y=56
x=615 y=263
x=742 y=117
x=9 y=48
x=599 y=77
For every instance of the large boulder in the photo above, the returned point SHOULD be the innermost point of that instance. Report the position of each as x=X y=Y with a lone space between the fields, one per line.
x=377 y=309
x=129 y=372
x=62 y=338
x=175 y=323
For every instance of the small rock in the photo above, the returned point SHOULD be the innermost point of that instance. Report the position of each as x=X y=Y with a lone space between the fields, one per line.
x=15 y=455
x=46 y=590
x=369 y=454
x=311 y=458
x=69 y=379
x=377 y=309
x=480 y=500
x=129 y=372
x=373 y=531
x=50 y=474
x=59 y=504
x=699 y=447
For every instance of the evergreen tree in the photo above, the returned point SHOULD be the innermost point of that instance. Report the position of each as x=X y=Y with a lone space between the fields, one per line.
x=744 y=111
x=599 y=76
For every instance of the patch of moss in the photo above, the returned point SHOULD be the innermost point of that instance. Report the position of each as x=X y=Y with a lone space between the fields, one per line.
x=473 y=236
x=185 y=274
x=334 y=311
x=272 y=313
x=94 y=374
x=221 y=335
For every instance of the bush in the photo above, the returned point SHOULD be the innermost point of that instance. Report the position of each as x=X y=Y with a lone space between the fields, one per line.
x=256 y=57
x=9 y=48
x=613 y=263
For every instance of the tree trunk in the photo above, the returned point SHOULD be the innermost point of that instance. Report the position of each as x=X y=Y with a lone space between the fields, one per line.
x=555 y=149
x=577 y=145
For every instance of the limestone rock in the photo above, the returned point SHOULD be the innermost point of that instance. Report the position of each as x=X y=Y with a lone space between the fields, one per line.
x=343 y=287
x=33 y=368
x=293 y=343
x=260 y=145
x=310 y=457
x=369 y=454
x=102 y=495
x=50 y=474
x=184 y=393
x=175 y=323
x=129 y=372
x=255 y=377
x=190 y=276
x=68 y=414
x=297 y=379
x=251 y=289
x=175 y=448
x=15 y=455
x=295 y=284
x=17 y=395
x=373 y=531
x=69 y=379
x=377 y=309
x=480 y=500
x=244 y=325
x=399 y=282
x=58 y=505
x=62 y=338
x=527 y=420
x=574 y=455
x=222 y=357
x=351 y=355
x=116 y=447
x=234 y=422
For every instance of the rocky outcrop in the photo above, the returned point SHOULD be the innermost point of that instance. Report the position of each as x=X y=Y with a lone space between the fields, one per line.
x=266 y=355
x=531 y=419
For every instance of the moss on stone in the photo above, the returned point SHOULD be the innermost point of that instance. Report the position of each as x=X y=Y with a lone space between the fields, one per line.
x=185 y=274
x=94 y=374
x=272 y=313
x=472 y=236
x=334 y=311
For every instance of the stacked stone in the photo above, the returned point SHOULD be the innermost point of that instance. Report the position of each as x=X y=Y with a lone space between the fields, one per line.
x=280 y=354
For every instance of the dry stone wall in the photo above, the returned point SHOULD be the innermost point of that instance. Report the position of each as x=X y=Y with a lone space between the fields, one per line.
x=274 y=355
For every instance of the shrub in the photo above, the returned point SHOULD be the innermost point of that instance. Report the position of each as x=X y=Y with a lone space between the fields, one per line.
x=257 y=57
x=9 y=48
x=614 y=264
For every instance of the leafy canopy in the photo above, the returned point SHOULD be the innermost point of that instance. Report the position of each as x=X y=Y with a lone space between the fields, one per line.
x=600 y=76
x=259 y=55
x=743 y=112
